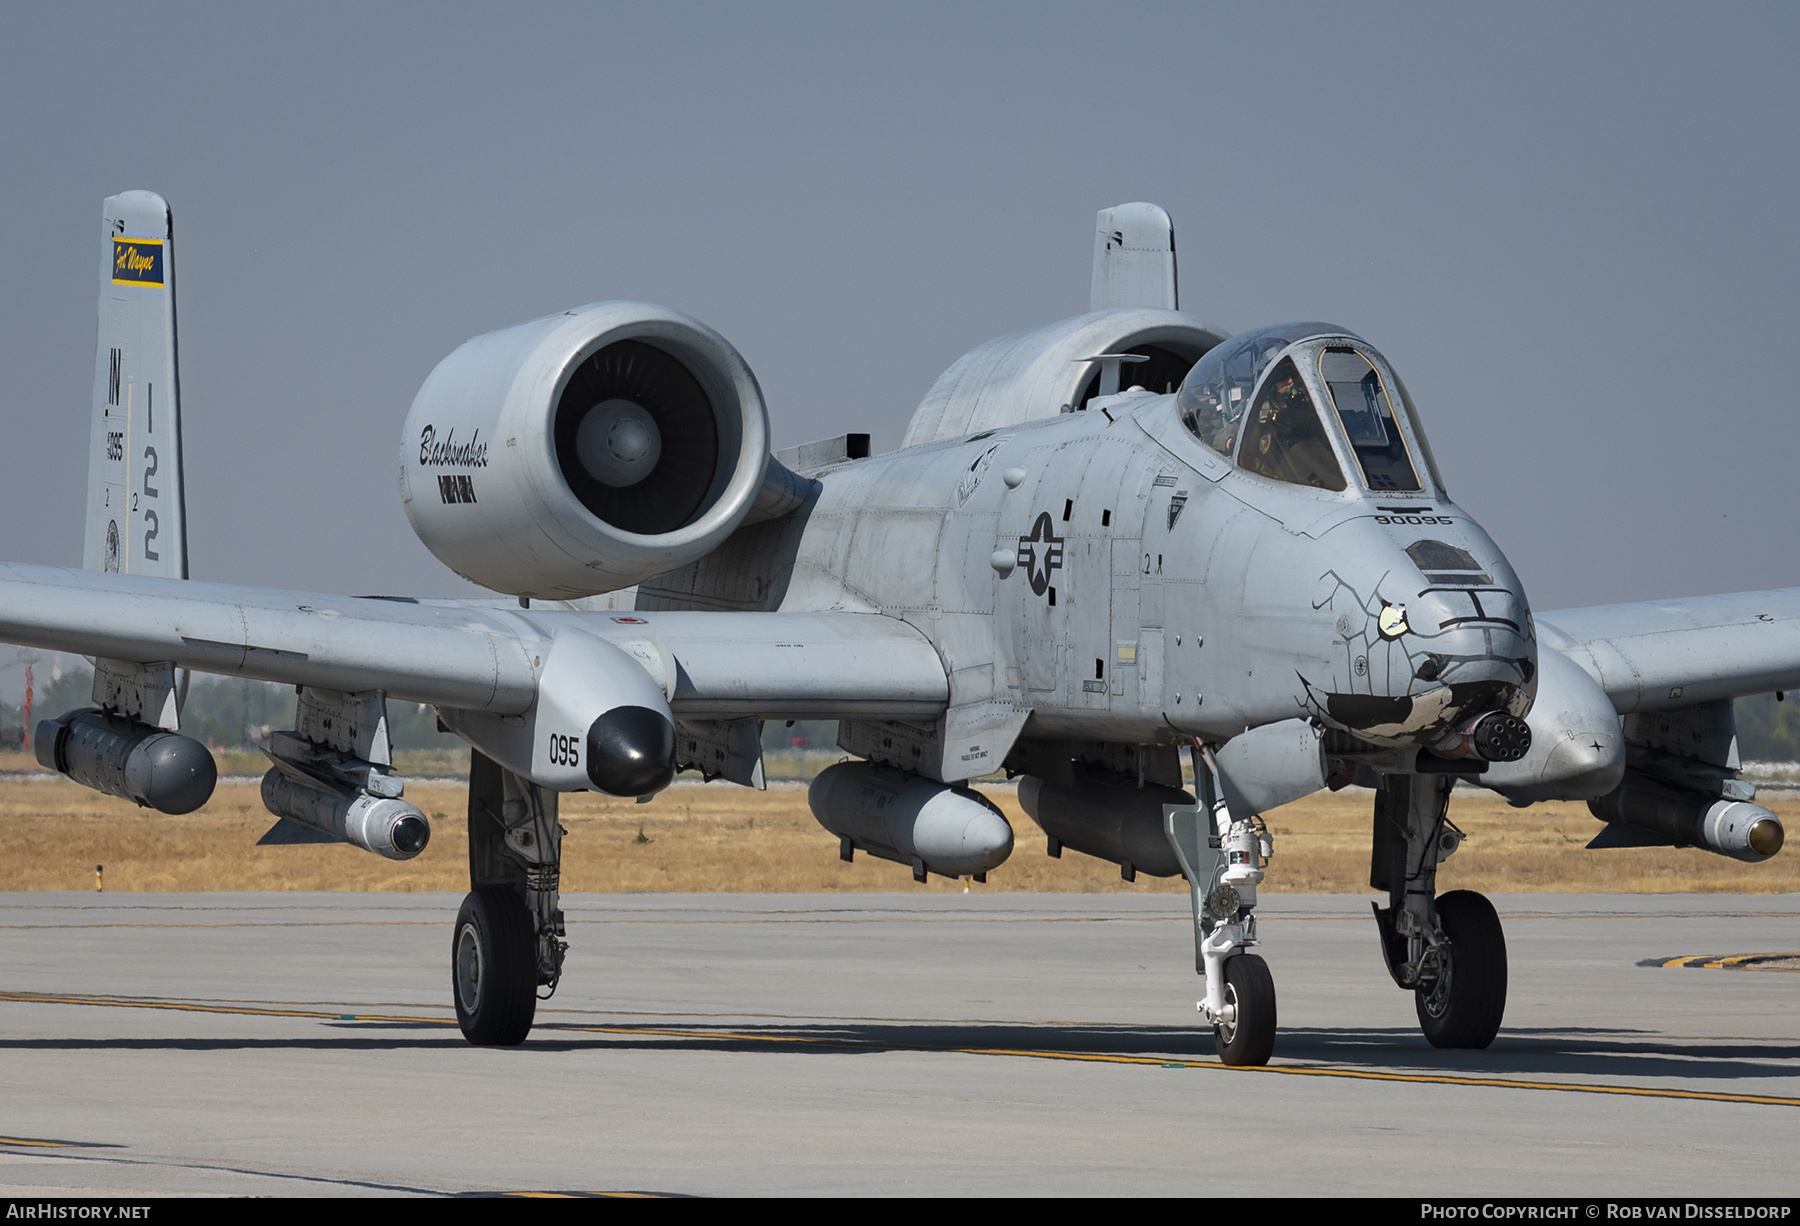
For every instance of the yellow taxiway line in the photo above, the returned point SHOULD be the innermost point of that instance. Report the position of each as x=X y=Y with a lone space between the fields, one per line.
x=1277 y=1070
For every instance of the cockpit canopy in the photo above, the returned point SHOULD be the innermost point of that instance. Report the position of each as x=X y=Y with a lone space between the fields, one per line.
x=1256 y=398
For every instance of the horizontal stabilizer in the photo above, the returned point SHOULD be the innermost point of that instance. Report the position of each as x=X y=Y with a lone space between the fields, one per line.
x=288 y=833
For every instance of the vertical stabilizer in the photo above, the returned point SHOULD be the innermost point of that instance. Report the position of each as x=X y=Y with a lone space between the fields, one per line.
x=136 y=513
x=1134 y=259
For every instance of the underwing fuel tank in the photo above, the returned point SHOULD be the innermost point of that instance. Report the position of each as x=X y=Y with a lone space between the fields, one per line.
x=900 y=816
x=382 y=824
x=1120 y=821
x=152 y=767
x=1662 y=816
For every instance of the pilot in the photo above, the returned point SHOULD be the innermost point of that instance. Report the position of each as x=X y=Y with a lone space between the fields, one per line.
x=1276 y=415
x=1289 y=444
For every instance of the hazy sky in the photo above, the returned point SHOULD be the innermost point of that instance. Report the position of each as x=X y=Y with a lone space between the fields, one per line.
x=1570 y=227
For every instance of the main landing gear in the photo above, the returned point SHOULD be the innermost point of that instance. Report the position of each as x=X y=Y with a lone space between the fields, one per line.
x=1449 y=951
x=1221 y=857
x=508 y=941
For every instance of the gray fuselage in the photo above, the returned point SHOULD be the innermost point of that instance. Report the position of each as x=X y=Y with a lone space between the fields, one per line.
x=1108 y=573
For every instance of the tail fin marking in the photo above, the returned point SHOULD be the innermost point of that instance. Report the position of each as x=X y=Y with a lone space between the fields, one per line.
x=136 y=512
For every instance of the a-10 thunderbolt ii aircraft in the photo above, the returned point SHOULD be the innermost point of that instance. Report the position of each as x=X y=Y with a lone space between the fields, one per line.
x=1102 y=542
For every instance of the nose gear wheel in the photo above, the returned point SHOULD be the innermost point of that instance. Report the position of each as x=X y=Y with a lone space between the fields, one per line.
x=1248 y=1038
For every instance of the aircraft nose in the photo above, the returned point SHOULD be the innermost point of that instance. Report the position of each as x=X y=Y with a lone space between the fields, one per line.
x=1487 y=610
x=1431 y=638
x=1472 y=647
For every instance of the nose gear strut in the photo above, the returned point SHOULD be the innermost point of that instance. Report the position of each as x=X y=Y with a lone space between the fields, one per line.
x=1221 y=856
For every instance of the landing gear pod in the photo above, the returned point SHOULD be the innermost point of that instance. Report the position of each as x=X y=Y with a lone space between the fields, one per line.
x=631 y=752
x=381 y=824
x=156 y=769
x=909 y=819
x=600 y=722
x=1269 y=766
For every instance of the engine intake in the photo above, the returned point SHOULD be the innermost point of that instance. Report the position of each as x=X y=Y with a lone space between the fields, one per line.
x=584 y=452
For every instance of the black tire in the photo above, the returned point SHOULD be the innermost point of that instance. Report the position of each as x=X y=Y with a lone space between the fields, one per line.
x=1463 y=1006
x=493 y=968
x=1251 y=1039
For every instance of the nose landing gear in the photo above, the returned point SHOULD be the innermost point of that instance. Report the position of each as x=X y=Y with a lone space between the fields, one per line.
x=1221 y=857
x=1245 y=1033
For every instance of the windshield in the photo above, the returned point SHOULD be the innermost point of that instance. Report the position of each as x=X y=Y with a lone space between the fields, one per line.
x=1362 y=406
x=1284 y=437
x=1418 y=433
x=1217 y=390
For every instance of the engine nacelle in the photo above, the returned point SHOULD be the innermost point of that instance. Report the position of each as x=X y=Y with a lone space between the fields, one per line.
x=900 y=816
x=584 y=452
x=1117 y=821
x=157 y=769
x=384 y=825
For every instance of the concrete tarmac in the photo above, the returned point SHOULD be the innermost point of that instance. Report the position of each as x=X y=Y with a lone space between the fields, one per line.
x=885 y=1044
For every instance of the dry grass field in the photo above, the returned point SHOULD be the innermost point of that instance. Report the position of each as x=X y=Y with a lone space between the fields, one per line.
x=715 y=837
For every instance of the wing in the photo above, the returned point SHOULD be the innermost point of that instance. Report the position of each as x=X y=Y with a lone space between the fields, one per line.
x=478 y=657
x=1659 y=654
